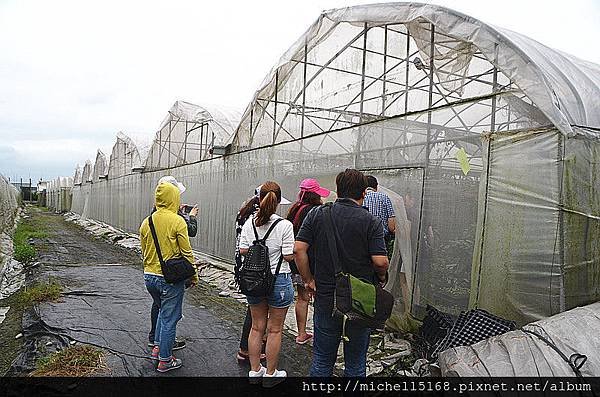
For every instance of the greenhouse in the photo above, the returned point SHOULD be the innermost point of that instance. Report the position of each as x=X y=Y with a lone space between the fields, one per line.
x=59 y=194
x=189 y=133
x=100 y=167
x=486 y=141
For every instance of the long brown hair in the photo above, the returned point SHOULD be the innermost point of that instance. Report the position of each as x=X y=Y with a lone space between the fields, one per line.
x=305 y=199
x=270 y=196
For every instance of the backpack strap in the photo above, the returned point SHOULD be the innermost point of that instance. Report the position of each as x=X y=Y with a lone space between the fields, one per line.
x=331 y=233
x=156 y=245
x=279 y=264
x=268 y=231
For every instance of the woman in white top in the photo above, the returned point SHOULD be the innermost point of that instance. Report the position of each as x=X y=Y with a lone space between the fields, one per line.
x=269 y=313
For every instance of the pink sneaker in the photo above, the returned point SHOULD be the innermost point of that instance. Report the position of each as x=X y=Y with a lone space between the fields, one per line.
x=304 y=340
x=154 y=354
x=173 y=363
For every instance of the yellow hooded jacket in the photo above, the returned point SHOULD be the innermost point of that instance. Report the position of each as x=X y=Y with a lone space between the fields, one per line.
x=171 y=231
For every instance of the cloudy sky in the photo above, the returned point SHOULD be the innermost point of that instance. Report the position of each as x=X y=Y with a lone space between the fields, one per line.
x=74 y=73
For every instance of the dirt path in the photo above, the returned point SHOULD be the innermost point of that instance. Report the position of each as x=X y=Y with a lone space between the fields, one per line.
x=105 y=303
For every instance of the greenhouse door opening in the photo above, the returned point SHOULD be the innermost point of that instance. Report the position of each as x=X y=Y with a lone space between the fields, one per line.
x=404 y=186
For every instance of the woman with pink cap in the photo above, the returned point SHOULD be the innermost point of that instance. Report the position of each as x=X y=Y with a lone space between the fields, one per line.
x=309 y=197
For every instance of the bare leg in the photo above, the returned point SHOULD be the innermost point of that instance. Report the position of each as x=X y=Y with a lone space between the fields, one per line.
x=275 y=327
x=255 y=339
x=302 y=311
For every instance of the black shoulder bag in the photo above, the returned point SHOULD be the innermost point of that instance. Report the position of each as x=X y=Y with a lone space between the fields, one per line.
x=174 y=270
x=356 y=300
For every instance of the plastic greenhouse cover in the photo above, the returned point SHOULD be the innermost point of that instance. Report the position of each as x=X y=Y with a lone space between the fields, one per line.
x=566 y=89
x=518 y=353
x=77 y=175
x=227 y=119
x=100 y=166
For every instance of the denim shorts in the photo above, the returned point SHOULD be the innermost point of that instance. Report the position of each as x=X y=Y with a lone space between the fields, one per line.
x=282 y=295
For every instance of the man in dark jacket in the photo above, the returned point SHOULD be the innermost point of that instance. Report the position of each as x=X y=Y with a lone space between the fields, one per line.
x=361 y=246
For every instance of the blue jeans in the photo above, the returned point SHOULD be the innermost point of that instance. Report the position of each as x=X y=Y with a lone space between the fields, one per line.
x=169 y=297
x=327 y=336
x=282 y=295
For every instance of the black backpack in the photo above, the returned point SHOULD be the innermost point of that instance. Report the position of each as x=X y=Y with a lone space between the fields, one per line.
x=256 y=278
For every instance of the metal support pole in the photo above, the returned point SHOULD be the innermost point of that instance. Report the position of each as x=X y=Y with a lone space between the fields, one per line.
x=385 y=45
x=275 y=111
x=304 y=89
x=494 y=88
x=431 y=56
x=362 y=98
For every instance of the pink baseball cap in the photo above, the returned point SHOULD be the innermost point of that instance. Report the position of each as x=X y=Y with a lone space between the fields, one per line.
x=312 y=185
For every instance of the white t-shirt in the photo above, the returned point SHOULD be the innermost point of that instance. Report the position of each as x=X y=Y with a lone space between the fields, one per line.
x=281 y=240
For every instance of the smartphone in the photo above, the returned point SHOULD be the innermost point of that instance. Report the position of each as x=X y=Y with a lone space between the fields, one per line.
x=187 y=208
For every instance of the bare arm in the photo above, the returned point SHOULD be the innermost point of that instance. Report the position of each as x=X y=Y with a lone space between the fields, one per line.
x=380 y=264
x=392 y=224
x=301 y=257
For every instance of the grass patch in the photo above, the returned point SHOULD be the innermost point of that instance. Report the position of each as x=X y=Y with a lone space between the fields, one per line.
x=39 y=292
x=10 y=327
x=23 y=251
x=74 y=361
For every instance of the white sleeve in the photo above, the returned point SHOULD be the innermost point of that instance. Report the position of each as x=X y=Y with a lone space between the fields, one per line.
x=247 y=235
x=287 y=237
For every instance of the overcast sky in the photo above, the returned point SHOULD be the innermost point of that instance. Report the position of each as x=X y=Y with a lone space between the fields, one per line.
x=74 y=73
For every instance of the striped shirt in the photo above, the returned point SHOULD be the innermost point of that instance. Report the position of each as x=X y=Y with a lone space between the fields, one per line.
x=380 y=205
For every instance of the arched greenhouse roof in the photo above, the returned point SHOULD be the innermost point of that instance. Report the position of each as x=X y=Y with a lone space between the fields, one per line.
x=77 y=176
x=100 y=166
x=125 y=156
x=188 y=134
x=564 y=88
x=86 y=175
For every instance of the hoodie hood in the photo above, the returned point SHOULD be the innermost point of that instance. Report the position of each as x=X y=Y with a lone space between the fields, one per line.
x=167 y=196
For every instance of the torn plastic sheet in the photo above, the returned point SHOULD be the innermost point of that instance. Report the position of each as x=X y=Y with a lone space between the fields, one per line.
x=3 y=311
x=12 y=278
x=522 y=353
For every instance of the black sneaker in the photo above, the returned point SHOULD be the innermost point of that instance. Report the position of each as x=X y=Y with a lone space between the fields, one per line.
x=178 y=344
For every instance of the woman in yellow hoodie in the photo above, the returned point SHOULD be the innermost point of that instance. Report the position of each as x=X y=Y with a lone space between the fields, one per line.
x=174 y=242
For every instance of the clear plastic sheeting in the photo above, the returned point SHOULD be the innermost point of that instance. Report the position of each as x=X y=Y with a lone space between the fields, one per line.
x=100 y=167
x=9 y=204
x=124 y=158
x=77 y=177
x=358 y=63
x=521 y=353
x=487 y=152
x=189 y=133
x=86 y=174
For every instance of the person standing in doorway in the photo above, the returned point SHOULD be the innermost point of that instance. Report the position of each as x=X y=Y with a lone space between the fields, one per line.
x=380 y=205
x=361 y=248
x=309 y=197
